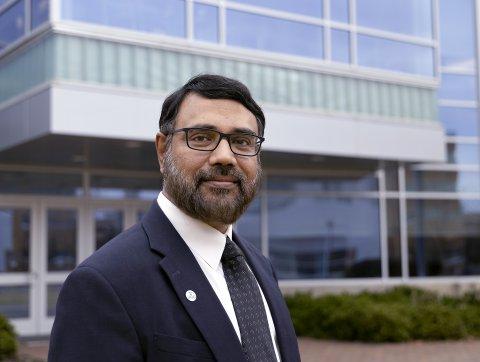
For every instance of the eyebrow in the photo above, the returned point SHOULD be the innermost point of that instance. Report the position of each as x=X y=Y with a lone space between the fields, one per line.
x=235 y=130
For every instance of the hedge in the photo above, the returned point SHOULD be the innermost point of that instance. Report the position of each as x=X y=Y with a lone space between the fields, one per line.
x=8 y=341
x=397 y=315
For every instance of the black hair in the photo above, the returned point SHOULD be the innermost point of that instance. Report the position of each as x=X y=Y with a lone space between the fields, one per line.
x=210 y=86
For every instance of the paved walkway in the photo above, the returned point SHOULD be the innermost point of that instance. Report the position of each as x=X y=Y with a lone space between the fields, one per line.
x=318 y=351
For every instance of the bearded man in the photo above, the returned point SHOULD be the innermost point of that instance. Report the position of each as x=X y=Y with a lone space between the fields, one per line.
x=180 y=285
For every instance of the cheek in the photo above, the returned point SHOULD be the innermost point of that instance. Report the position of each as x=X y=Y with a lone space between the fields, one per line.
x=249 y=167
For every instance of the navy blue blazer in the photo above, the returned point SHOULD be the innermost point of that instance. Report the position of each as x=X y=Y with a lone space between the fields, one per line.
x=127 y=302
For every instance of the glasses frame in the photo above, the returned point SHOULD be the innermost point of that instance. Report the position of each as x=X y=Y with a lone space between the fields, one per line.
x=222 y=136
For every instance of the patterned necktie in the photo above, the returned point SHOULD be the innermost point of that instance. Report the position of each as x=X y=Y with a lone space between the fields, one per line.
x=248 y=304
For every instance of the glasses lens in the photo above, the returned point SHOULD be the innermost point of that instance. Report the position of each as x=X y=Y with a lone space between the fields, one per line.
x=202 y=139
x=244 y=144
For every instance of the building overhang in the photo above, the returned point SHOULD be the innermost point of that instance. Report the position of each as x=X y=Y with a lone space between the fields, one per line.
x=89 y=111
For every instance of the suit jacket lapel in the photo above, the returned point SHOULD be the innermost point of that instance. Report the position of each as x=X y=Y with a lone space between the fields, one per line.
x=286 y=337
x=185 y=274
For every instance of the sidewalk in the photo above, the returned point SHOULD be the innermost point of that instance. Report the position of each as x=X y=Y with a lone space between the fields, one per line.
x=313 y=350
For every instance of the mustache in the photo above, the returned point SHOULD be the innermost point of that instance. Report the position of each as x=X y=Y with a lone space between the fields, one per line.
x=220 y=170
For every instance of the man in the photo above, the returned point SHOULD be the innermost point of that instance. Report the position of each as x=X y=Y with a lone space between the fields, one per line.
x=176 y=287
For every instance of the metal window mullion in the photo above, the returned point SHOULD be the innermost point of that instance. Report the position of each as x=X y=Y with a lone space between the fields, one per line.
x=264 y=218
x=382 y=204
x=222 y=23
x=327 y=38
x=403 y=222
x=353 y=33
x=436 y=37
x=189 y=22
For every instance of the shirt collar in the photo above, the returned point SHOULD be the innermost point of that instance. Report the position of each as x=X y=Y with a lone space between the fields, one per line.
x=203 y=240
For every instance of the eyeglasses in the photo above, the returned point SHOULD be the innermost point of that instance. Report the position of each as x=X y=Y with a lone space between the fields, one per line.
x=205 y=139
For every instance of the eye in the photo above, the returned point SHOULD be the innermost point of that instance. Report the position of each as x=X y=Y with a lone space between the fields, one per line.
x=242 y=140
x=201 y=137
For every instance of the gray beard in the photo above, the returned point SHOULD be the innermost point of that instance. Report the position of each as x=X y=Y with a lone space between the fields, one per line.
x=220 y=205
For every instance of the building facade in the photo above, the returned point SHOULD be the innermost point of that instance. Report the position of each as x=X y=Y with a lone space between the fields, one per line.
x=371 y=164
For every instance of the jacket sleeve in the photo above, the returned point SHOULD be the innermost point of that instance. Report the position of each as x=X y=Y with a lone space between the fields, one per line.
x=91 y=323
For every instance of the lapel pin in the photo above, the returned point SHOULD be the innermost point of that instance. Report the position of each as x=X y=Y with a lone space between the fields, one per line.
x=191 y=296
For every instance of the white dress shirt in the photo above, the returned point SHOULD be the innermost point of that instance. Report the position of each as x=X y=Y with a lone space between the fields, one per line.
x=207 y=244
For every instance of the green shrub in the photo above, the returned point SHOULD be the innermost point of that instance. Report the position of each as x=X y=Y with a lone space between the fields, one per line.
x=8 y=341
x=399 y=314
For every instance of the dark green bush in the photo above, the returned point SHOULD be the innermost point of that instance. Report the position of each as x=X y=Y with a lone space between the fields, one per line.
x=8 y=341
x=399 y=314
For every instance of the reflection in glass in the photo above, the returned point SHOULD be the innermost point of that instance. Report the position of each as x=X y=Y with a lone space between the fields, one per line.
x=393 y=237
x=108 y=224
x=459 y=121
x=12 y=23
x=249 y=225
x=19 y=182
x=457 y=33
x=443 y=237
x=305 y=7
x=462 y=153
x=339 y=10
x=458 y=87
x=413 y=17
x=344 y=183
x=324 y=237
x=443 y=181
x=395 y=55
x=14 y=301
x=340 y=46
x=62 y=239
x=391 y=176
x=206 y=22
x=112 y=187
x=40 y=10
x=152 y=16
x=53 y=290
x=141 y=214
x=14 y=240
x=276 y=35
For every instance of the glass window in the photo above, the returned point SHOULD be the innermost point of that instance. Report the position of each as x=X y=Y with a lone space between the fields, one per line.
x=443 y=181
x=363 y=182
x=391 y=176
x=444 y=237
x=39 y=12
x=304 y=7
x=62 y=239
x=413 y=17
x=462 y=153
x=459 y=121
x=323 y=237
x=457 y=33
x=152 y=16
x=15 y=301
x=340 y=46
x=276 y=35
x=458 y=87
x=393 y=230
x=394 y=55
x=112 y=187
x=108 y=224
x=206 y=22
x=20 y=182
x=14 y=240
x=339 y=10
x=249 y=225
x=12 y=23
x=53 y=290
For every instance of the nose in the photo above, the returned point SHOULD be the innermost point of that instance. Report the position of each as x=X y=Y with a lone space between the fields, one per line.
x=222 y=155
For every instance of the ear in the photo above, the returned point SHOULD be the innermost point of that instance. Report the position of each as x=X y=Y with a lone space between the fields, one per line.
x=161 y=146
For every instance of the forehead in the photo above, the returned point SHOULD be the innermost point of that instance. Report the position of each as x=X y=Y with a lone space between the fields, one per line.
x=223 y=114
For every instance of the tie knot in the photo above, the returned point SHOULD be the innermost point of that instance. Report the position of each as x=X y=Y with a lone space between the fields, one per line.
x=231 y=250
